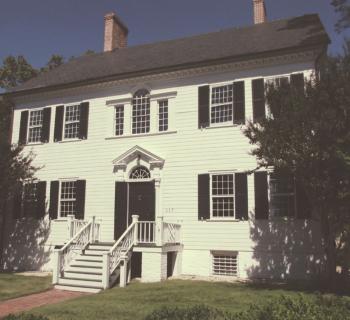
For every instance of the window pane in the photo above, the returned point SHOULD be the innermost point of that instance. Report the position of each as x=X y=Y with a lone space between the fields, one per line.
x=72 y=113
x=34 y=134
x=222 y=104
x=222 y=184
x=223 y=207
x=72 y=122
x=35 y=126
x=282 y=195
x=163 y=115
x=68 y=190
x=119 y=120
x=141 y=113
x=68 y=198
x=224 y=265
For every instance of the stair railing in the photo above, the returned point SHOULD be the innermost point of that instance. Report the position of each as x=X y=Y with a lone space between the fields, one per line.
x=64 y=256
x=118 y=255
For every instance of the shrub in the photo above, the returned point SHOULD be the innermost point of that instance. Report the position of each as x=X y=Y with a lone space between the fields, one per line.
x=199 y=312
x=300 y=307
x=25 y=317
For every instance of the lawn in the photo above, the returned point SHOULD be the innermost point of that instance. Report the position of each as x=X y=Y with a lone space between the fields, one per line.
x=14 y=285
x=138 y=300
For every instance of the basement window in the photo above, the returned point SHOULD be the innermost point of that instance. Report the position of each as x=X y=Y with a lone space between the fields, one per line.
x=225 y=263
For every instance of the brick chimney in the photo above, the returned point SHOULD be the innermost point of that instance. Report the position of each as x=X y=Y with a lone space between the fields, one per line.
x=116 y=33
x=259 y=11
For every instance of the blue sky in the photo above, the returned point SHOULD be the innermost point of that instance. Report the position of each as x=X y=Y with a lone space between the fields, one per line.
x=39 y=28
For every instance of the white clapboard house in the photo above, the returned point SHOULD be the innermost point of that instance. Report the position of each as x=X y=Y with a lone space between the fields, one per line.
x=144 y=166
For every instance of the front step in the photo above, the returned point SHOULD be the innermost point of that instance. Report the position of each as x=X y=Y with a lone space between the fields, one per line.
x=78 y=289
x=83 y=275
x=88 y=264
x=80 y=283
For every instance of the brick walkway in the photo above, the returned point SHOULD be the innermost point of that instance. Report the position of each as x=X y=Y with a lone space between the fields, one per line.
x=36 y=300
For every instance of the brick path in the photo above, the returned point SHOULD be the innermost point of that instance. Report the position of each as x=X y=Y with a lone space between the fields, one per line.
x=36 y=300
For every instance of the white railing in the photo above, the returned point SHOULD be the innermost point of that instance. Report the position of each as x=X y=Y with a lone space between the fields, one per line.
x=64 y=256
x=146 y=232
x=171 y=233
x=77 y=225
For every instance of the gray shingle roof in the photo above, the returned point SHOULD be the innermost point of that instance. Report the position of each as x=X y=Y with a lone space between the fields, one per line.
x=226 y=45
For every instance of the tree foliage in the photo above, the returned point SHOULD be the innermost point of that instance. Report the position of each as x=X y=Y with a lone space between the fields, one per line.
x=308 y=134
x=342 y=7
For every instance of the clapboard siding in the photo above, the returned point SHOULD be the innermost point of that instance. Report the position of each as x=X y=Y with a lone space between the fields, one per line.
x=188 y=151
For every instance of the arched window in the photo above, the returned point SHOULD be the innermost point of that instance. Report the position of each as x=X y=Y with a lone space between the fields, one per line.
x=140 y=173
x=141 y=112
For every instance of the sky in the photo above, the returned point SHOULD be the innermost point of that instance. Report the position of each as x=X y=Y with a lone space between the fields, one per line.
x=39 y=28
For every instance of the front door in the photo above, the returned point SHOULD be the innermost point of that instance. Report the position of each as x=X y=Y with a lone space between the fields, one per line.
x=133 y=198
x=142 y=201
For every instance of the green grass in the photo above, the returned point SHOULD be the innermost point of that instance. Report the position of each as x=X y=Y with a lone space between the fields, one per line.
x=13 y=285
x=138 y=300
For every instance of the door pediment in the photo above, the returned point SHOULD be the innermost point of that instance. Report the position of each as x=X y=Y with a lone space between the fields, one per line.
x=139 y=153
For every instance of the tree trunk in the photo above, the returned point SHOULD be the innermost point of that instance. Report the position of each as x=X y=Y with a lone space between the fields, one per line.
x=3 y=215
x=330 y=250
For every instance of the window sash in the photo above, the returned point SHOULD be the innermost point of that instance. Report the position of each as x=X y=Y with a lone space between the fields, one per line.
x=224 y=264
x=221 y=104
x=35 y=125
x=141 y=114
x=163 y=107
x=67 y=200
x=71 y=126
x=219 y=208
x=119 y=120
x=282 y=198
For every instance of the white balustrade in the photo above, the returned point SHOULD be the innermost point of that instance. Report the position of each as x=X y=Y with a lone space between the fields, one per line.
x=146 y=232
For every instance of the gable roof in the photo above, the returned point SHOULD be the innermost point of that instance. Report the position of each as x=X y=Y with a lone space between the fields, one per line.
x=223 y=46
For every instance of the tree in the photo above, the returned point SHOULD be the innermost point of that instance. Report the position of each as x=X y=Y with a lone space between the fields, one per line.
x=15 y=167
x=342 y=7
x=308 y=134
x=14 y=71
x=55 y=61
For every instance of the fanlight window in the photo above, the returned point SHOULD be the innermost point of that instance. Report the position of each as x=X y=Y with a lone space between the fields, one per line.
x=140 y=173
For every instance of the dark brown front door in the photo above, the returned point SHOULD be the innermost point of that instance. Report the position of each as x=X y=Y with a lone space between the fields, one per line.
x=142 y=200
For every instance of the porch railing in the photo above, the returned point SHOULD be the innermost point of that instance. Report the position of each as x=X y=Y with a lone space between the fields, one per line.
x=171 y=233
x=146 y=232
x=88 y=233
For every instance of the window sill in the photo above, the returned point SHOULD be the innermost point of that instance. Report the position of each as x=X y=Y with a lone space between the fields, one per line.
x=223 y=126
x=223 y=220
x=70 y=140
x=32 y=144
x=141 y=135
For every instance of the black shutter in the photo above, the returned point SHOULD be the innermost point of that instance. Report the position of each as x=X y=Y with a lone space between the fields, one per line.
x=45 y=133
x=297 y=81
x=17 y=201
x=238 y=102
x=261 y=195
x=80 y=196
x=84 y=120
x=54 y=191
x=203 y=106
x=59 y=123
x=258 y=90
x=241 y=196
x=120 y=209
x=203 y=196
x=23 y=127
x=41 y=200
x=302 y=201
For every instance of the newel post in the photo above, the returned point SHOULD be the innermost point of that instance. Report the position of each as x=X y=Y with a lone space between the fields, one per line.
x=56 y=266
x=105 y=270
x=135 y=219
x=123 y=269
x=70 y=222
x=159 y=231
x=92 y=235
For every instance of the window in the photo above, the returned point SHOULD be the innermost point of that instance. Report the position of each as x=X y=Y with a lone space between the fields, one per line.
x=140 y=173
x=141 y=112
x=35 y=126
x=72 y=122
x=68 y=198
x=119 y=120
x=278 y=81
x=224 y=263
x=30 y=199
x=282 y=195
x=221 y=104
x=222 y=196
x=163 y=115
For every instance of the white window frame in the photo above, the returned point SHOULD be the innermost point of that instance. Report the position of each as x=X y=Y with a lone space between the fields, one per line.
x=60 y=195
x=211 y=105
x=69 y=122
x=212 y=217
x=131 y=115
x=115 y=120
x=271 y=214
x=167 y=113
x=29 y=127
x=233 y=254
